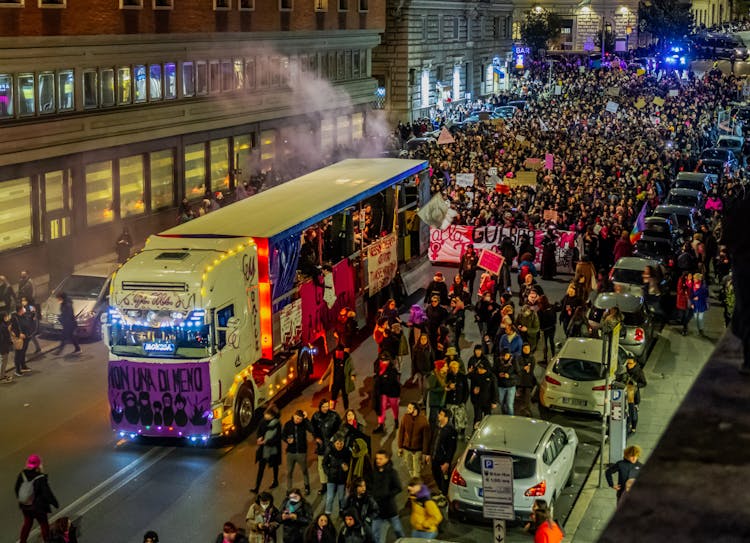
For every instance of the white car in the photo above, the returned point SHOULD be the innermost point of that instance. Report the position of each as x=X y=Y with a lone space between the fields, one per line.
x=627 y=274
x=575 y=378
x=543 y=457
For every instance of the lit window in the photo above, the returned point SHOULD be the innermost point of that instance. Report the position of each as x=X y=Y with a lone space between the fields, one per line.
x=321 y=5
x=52 y=3
x=250 y=73
x=107 y=80
x=131 y=4
x=131 y=186
x=162 y=179
x=15 y=220
x=243 y=146
x=139 y=73
x=219 y=153
x=267 y=147
x=239 y=75
x=90 y=89
x=170 y=81
x=214 y=80
x=154 y=71
x=6 y=95
x=188 y=79
x=195 y=171
x=343 y=5
x=155 y=82
x=26 y=100
x=246 y=5
x=222 y=5
x=99 y=193
x=286 y=5
x=46 y=83
x=201 y=78
x=124 y=85
x=56 y=204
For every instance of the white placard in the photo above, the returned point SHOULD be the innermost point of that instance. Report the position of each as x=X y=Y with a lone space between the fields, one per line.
x=497 y=487
x=612 y=106
x=492 y=171
x=465 y=179
x=382 y=262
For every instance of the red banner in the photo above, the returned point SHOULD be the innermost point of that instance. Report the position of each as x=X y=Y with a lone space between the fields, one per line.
x=449 y=244
x=317 y=317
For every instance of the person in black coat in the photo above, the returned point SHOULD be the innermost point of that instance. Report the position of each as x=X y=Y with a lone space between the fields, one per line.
x=506 y=371
x=321 y=530
x=296 y=515
x=19 y=327
x=268 y=452
x=353 y=530
x=40 y=504
x=627 y=469
x=359 y=500
x=6 y=345
x=337 y=463
x=230 y=533
x=437 y=287
x=443 y=449
x=385 y=487
x=325 y=423
x=387 y=390
x=483 y=393
x=526 y=380
x=68 y=322
x=294 y=434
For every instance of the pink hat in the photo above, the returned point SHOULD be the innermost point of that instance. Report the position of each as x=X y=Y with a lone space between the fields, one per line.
x=33 y=461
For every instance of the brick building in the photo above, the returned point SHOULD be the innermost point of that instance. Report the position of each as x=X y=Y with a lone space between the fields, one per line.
x=113 y=111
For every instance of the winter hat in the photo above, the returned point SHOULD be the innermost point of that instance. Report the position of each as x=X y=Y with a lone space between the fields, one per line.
x=451 y=351
x=33 y=461
x=439 y=364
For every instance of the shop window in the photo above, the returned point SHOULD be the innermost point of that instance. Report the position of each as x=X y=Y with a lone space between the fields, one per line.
x=364 y=5
x=222 y=5
x=214 y=80
x=358 y=126
x=326 y=134
x=246 y=5
x=53 y=4
x=250 y=73
x=286 y=5
x=26 y=100
x=188 y=79
x=65 y=90
x=107 y=81
x=238 y=74
x=90 y=89
x=15 y=220
x=154 y=72
x=219 y=155
x=139 y=75
x=267 y=147
x=162 y=179
x=46 y=83
x=201 y=78
x=124 y=85
x=99 y=193
x=227 y=75
x=56 y=204
x=131 y=186
x=131 y=4
x=6 y=96
x=321 y=5
x=170 y=81
x=343 y=5
x=243 y=146
x=163 y=4
x=195 y=171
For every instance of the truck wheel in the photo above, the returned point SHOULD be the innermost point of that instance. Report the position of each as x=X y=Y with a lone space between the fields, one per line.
x=304 y=367
x=244 y=411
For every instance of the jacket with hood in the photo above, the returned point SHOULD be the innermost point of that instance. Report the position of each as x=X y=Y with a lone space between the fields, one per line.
x=357 y=533
x=44 y=499
x=386 y=485
x=294 y=529
x=425 y=514
x=414 y=433
x=333 y=464
x=324 y=427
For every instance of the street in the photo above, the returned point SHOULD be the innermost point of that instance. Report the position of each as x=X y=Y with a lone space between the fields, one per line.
x=122 y=488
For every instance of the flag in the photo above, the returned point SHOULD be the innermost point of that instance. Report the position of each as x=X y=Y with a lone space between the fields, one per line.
x=437 y=213
x=640 y=224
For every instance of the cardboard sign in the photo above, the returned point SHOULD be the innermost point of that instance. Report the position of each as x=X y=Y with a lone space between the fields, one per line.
x=674 y=92
x=492 y=171
x=558 y=90
x=658 y=101
x=445 y=137
x=465 y=179
x=613 y=91
x=490 y=261
x=522 y=179
x=549 y=161
x=612 y=106
x=550 y=215
x=640 y=103
x=382 y=262
x=520 y=137
x=533 y=163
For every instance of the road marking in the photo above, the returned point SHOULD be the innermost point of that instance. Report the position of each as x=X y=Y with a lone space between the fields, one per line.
x=109 y=486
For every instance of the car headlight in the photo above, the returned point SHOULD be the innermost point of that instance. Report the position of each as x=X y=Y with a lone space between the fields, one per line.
x=85 y=316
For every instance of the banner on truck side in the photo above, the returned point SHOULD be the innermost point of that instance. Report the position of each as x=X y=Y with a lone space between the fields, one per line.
x=382 y=262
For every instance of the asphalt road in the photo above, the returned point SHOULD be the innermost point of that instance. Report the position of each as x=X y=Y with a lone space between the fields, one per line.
x=122 y=488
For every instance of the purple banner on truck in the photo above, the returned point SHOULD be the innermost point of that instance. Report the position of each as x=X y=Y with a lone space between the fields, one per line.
x=169 y=399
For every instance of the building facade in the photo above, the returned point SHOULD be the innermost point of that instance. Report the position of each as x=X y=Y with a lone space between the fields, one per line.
x=114 y=111
x=707 y=13
x=439 y=51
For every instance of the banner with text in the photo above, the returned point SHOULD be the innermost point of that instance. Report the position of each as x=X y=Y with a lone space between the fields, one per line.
x=382 y=262
x=449 y=244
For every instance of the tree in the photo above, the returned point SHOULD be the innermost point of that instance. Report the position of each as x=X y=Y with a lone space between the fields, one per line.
x=538 y=27
x=665 y=19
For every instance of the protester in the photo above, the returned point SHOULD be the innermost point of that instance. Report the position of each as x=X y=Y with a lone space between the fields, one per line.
x=230 y=534
x=634 y=380
x=294 y=434
x=268 y=452
x=422 y=360
x=387 y=391
x=456 y=394
x=359 y=500
x=151 y=537
x=413 y=439
x=547 y=530
x=436 y=383
x=35 y=498
x=296 y=515
x=353 y=530
x=337 y=463
x=325 y=423
x=6 y=345
x=425 y=515
x=483 y=386
x=385 y=487
x=321 y=530
x=507 y=373
x=19 y=335
x=444 y=445
x=526 y=380
x=699 y=301
x=262 y=520
x=341 y=371
x=69 y=324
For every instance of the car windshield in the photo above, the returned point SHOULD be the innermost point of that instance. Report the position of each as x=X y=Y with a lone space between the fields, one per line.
x=716 y=167
x=681 y=200
x=579 y=370
x=652 y=247
x=82 y=286
x=632 y=277
x=524 y=467
x=729 y=144
x=628 y=319
x=689 y=184
x=715 y=154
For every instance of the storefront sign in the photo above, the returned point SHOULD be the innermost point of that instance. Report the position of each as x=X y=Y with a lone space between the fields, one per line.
x=176 y=396
x=449 y=244
x=382 y=262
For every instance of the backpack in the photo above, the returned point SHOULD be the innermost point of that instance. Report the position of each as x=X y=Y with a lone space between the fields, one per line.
x=26 y=490
x=525 y=270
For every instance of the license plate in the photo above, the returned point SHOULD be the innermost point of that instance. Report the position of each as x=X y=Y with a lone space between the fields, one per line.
x=575 y=401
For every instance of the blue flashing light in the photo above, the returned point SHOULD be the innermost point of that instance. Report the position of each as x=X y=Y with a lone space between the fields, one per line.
x=122 y=434
x=204 y=438
x=671 y=60
x=682 y=60
x=132 y=436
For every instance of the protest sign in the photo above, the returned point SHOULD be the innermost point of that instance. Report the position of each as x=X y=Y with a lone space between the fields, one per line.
x=527 y=179
x=533 y=163
x=490 y=261
x=465 y=179
x=658 y=101
x=612 y=106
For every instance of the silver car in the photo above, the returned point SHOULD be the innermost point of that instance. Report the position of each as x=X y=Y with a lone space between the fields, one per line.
x=543 y=456
x=637 y=329
x=627 y=274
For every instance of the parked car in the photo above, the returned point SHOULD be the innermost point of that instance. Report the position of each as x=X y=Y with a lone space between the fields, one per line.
x=520 y=104
x=637 y=327
x=575 y=379
x=717 y=160
x=415 y=143
x=661 y=227
x=703 y=182
x=686 y=218
x=505 y=112
x=88 y=289
x=627 y=274
x=686 y=197
x=733 y=143
x=657 y=248
x=713 y=45
x=543 y=456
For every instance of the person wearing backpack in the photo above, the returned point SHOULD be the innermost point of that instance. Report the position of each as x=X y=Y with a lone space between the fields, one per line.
x=35 y=498
x=425 y=515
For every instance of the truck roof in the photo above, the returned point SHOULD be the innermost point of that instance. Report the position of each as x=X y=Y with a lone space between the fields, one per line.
x=298 y=204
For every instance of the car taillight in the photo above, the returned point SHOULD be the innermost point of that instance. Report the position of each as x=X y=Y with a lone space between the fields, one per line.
x=599 y=387
x=551 y=381
x=537 y=490
x=639 y=334
x=456 y=479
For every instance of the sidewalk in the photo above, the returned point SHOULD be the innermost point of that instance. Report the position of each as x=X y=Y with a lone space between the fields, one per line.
x=673 y=367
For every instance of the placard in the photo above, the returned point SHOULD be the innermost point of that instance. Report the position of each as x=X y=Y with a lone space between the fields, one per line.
x=522 y=179
x=658 y=101
x=613 y=91
x=550 y=215
x=445 y=137
x=382 y=262
x=465 y=179
x=549 y=161
x=640 y=103
x=612 y=106
x=533 y=163
x=674 y=92
x=290 y=323
x=497 y=487
x=492 y=171
x=490 y=261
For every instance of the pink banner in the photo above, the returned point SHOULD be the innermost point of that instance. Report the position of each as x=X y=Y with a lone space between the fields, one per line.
x=317 y=317
x=448 y=245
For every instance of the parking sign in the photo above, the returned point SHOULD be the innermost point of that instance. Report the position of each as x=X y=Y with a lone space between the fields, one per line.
x=497 y=487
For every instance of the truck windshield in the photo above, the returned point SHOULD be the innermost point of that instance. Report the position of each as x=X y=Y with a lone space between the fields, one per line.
x=159 y=334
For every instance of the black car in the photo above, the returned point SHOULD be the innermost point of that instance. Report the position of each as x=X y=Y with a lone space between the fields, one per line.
x=656 y=248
